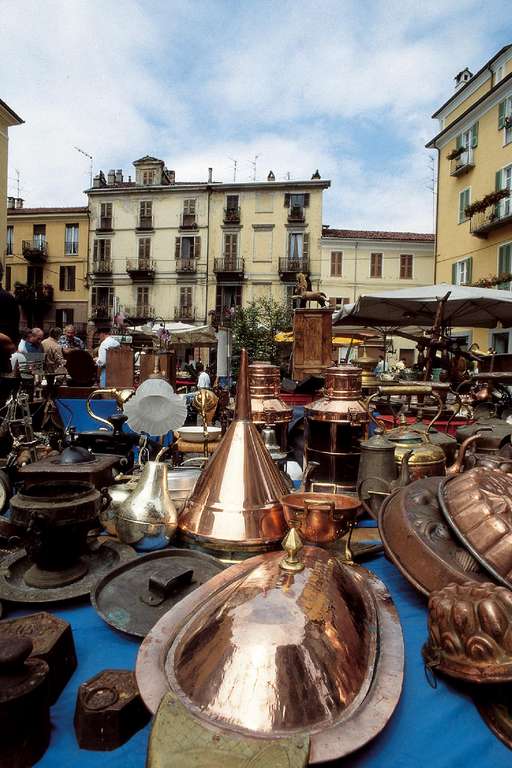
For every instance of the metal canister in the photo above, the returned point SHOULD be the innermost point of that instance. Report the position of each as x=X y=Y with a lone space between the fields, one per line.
x=377 y=459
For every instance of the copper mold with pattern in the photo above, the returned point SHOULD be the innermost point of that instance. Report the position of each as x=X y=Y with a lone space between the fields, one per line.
x=470 y=632
x=260 y=651
x=478 y=507
x=420 y=543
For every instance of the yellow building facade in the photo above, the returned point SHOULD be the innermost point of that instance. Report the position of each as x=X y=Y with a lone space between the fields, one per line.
x=474 y=212
x=8 y=118
x=46 y=264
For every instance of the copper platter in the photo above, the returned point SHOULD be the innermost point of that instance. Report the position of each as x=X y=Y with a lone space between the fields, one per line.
x=263 y=652
x=494 y=702
x=478 y=506
x=418 y=541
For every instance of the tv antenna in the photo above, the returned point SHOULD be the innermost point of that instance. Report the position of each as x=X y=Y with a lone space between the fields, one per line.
x=254 y=163
x=235 y=165
x=90 y=164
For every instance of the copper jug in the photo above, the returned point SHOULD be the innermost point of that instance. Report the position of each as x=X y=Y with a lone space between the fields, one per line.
x=377 y=458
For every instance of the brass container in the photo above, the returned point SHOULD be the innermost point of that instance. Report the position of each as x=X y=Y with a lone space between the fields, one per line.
x=426 y=460
x=335 y=425
x=369 y=381
x=235 y=505
x=321 y=518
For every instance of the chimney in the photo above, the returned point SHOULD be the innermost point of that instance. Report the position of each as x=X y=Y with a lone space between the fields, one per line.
x=111 y=177
x=18 y=202
x=462 y=78
x=119 y=176
x=172 y=177
x=10 y=202
x=210 y=175
x=271 y=176
x=316 y=175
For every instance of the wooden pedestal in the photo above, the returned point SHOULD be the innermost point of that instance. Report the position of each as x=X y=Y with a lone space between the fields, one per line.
x=120 y=367
x=312 y=342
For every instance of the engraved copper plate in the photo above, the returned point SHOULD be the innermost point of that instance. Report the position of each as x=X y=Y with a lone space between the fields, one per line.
x=420 y=543
x=478 y=506
x=262 y=652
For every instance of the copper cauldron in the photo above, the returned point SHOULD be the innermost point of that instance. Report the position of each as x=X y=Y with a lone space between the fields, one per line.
x=320 y=518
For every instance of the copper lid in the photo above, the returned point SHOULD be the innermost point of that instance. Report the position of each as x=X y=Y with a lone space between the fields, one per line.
x=235 y=504
x=343 y=399
x=264 y=652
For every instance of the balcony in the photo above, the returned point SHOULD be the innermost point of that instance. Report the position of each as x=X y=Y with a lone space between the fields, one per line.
x=40 y=295
x=188 y=221
x=141 y=269
x=494 y=217
x=105 y=224
x=145 y=224
x=296 y=215
x=186 y=266
x=138 y=314
x=290 y=267
x=35 y=250
x=463 y=163
x=229 y=268
x=101 y=312
x=231 y=215
x=102 y=267
x=185 y=314
x=224 y=318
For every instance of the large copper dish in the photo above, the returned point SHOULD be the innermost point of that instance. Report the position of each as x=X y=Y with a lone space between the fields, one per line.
x=418 y=541
x=478 y=506
x=263 y=652
x=321 y=518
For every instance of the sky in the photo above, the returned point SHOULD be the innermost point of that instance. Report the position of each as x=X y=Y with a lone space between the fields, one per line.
x=344 y=86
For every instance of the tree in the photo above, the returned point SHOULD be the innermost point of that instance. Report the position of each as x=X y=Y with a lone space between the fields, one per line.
x=255 y=327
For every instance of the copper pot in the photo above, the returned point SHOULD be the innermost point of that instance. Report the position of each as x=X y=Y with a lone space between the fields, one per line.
x=321 y=518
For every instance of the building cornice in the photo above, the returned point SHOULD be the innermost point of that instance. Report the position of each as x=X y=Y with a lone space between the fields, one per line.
x=179 y=188
x=9 y=115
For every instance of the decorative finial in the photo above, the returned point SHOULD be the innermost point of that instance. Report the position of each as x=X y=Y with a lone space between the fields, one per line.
x=292 y=545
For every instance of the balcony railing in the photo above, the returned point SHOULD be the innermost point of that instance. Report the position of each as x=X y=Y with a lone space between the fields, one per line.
x=185 y=314
x=463 y=163
x=231 y=215
x=292 y=266
x=296 y=214
x=188 y=221
x=35 y=250
x=186 y=266
x=28 y=294
x=145 y=223
x=102 y=267
x=493 y=217
x=139 y=312
x=105 y=224
x=229 y=265
x=101 y=312
x=141 y=268
x=223 y=318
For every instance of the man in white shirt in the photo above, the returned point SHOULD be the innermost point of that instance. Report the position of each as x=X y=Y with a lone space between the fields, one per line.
x=107 y=342
x=203 y=380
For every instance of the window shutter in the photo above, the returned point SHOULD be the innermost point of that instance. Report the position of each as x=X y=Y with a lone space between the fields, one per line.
x=458 y=141
x=177 y=248
x=469 y=270
x=107 y=249
x=504 y=264
x=305 y=248
x=498 y=181
x=501 y=114
x=474 y=136
x=61 y=279
x=197 y=247
x=454 y=273
x=95 y=251
x=286 y=199
x=306 y=200
x=462 y=205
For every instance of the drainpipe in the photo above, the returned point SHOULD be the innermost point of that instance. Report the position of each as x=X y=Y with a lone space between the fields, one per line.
x=209 y=190
x=355 y=272
x=437 y=214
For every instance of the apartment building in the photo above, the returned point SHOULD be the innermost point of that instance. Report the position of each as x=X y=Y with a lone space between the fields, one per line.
x=8 y=118
x=474 y=209
x=46 y=263
x=165 y=249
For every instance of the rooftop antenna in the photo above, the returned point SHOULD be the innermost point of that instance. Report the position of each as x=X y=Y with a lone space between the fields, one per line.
x=17 y=182
x=235 y=164
x=90 y=158
x=253 y=163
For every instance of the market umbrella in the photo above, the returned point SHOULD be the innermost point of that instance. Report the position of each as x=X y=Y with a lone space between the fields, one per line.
x=183 y=333
x=286 y=337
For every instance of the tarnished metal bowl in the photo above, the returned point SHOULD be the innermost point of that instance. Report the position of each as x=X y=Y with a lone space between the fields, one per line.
x=321 y=518
x=181 y=482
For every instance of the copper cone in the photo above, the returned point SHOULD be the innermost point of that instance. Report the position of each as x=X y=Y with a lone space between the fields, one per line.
x=235 y=505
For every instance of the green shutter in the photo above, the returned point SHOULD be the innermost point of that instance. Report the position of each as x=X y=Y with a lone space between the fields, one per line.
x=454 y=273
x=501 y=114
x=469 y=270
x=498 y=181
x=458 y=141
x=286 y=199
x=463 y=203
x=474 y=136
x=504 y=264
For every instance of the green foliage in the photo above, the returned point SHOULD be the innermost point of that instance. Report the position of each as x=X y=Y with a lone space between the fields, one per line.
x=255 y=326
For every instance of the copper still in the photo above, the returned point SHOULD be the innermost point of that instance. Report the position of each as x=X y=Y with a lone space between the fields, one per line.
x=334 y=427
x=235 y=506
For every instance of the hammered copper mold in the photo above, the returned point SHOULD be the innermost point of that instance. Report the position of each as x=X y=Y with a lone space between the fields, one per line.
x=418 y=541
x=470 y=632
x=478 y=506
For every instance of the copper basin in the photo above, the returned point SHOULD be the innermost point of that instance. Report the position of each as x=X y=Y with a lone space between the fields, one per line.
x=320 y=518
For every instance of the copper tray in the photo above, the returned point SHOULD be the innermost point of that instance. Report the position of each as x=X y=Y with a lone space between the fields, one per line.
x=418 y=541
x=478 y=507
x=262 y=652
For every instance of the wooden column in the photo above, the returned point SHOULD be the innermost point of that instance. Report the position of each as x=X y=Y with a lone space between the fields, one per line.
x=312 y=342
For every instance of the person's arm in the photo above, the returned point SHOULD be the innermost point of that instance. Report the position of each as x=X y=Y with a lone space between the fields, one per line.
x=81 y=345
x=101 y=360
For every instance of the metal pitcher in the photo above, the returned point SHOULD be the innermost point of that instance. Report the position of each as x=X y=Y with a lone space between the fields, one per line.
x=377 y=458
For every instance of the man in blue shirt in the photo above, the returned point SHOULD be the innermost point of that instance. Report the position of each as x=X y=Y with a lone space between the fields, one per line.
x=68 y=340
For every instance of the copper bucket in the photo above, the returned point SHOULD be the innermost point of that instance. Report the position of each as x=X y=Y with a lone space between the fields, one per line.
x=321 y=518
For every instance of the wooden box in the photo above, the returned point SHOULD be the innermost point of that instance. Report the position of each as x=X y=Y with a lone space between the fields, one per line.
x=312 y=342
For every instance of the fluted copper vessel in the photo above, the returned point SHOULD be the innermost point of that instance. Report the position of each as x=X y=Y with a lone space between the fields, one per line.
x=235 y=505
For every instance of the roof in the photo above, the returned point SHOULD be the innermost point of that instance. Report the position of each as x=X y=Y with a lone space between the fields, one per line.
x=365 y=234
x=47 y=211
x=147 y=159
x=16 y=118
x=477 y=74
x=206 y=185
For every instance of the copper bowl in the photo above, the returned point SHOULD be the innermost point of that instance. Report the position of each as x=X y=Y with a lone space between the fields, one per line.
x=321 y=518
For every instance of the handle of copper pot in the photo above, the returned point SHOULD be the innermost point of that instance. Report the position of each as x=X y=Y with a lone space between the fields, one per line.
x=456 y=467
x=99 y=419
x=319 y=504
x=378 y=423
x=161 y=585
x=404 y=389
x=364 y=501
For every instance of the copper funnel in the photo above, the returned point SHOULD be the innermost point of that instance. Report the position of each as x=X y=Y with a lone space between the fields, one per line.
x=235 y=505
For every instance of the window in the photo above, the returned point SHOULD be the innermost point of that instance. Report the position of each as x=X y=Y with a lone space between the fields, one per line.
x=142 y=297
x=189 y=207
x=504 y=181
x=338 y=301
x=148 y=178
x=289 y=294
x=464 y=201
x=144 y=248
x=67 y=278
x=298 y=248
x=376 y=265
x=106 y=216
x=10 y=240
x=336 y=263
x=39 y=235
x=188 y=248
x=505 y=264
x=499 y=74
x=101 y=250
x=8 y=278
x=406 y=260
x=146 y=214
x=462 y=271
x=227 y=298
x=505 y=119
x=34 y=276
x=232 y=203
x=64 y=317
x=185 y=297
x=230 y=245
x=468 y=139
x=294 y=200
x=103 y=298
x=71 y=240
